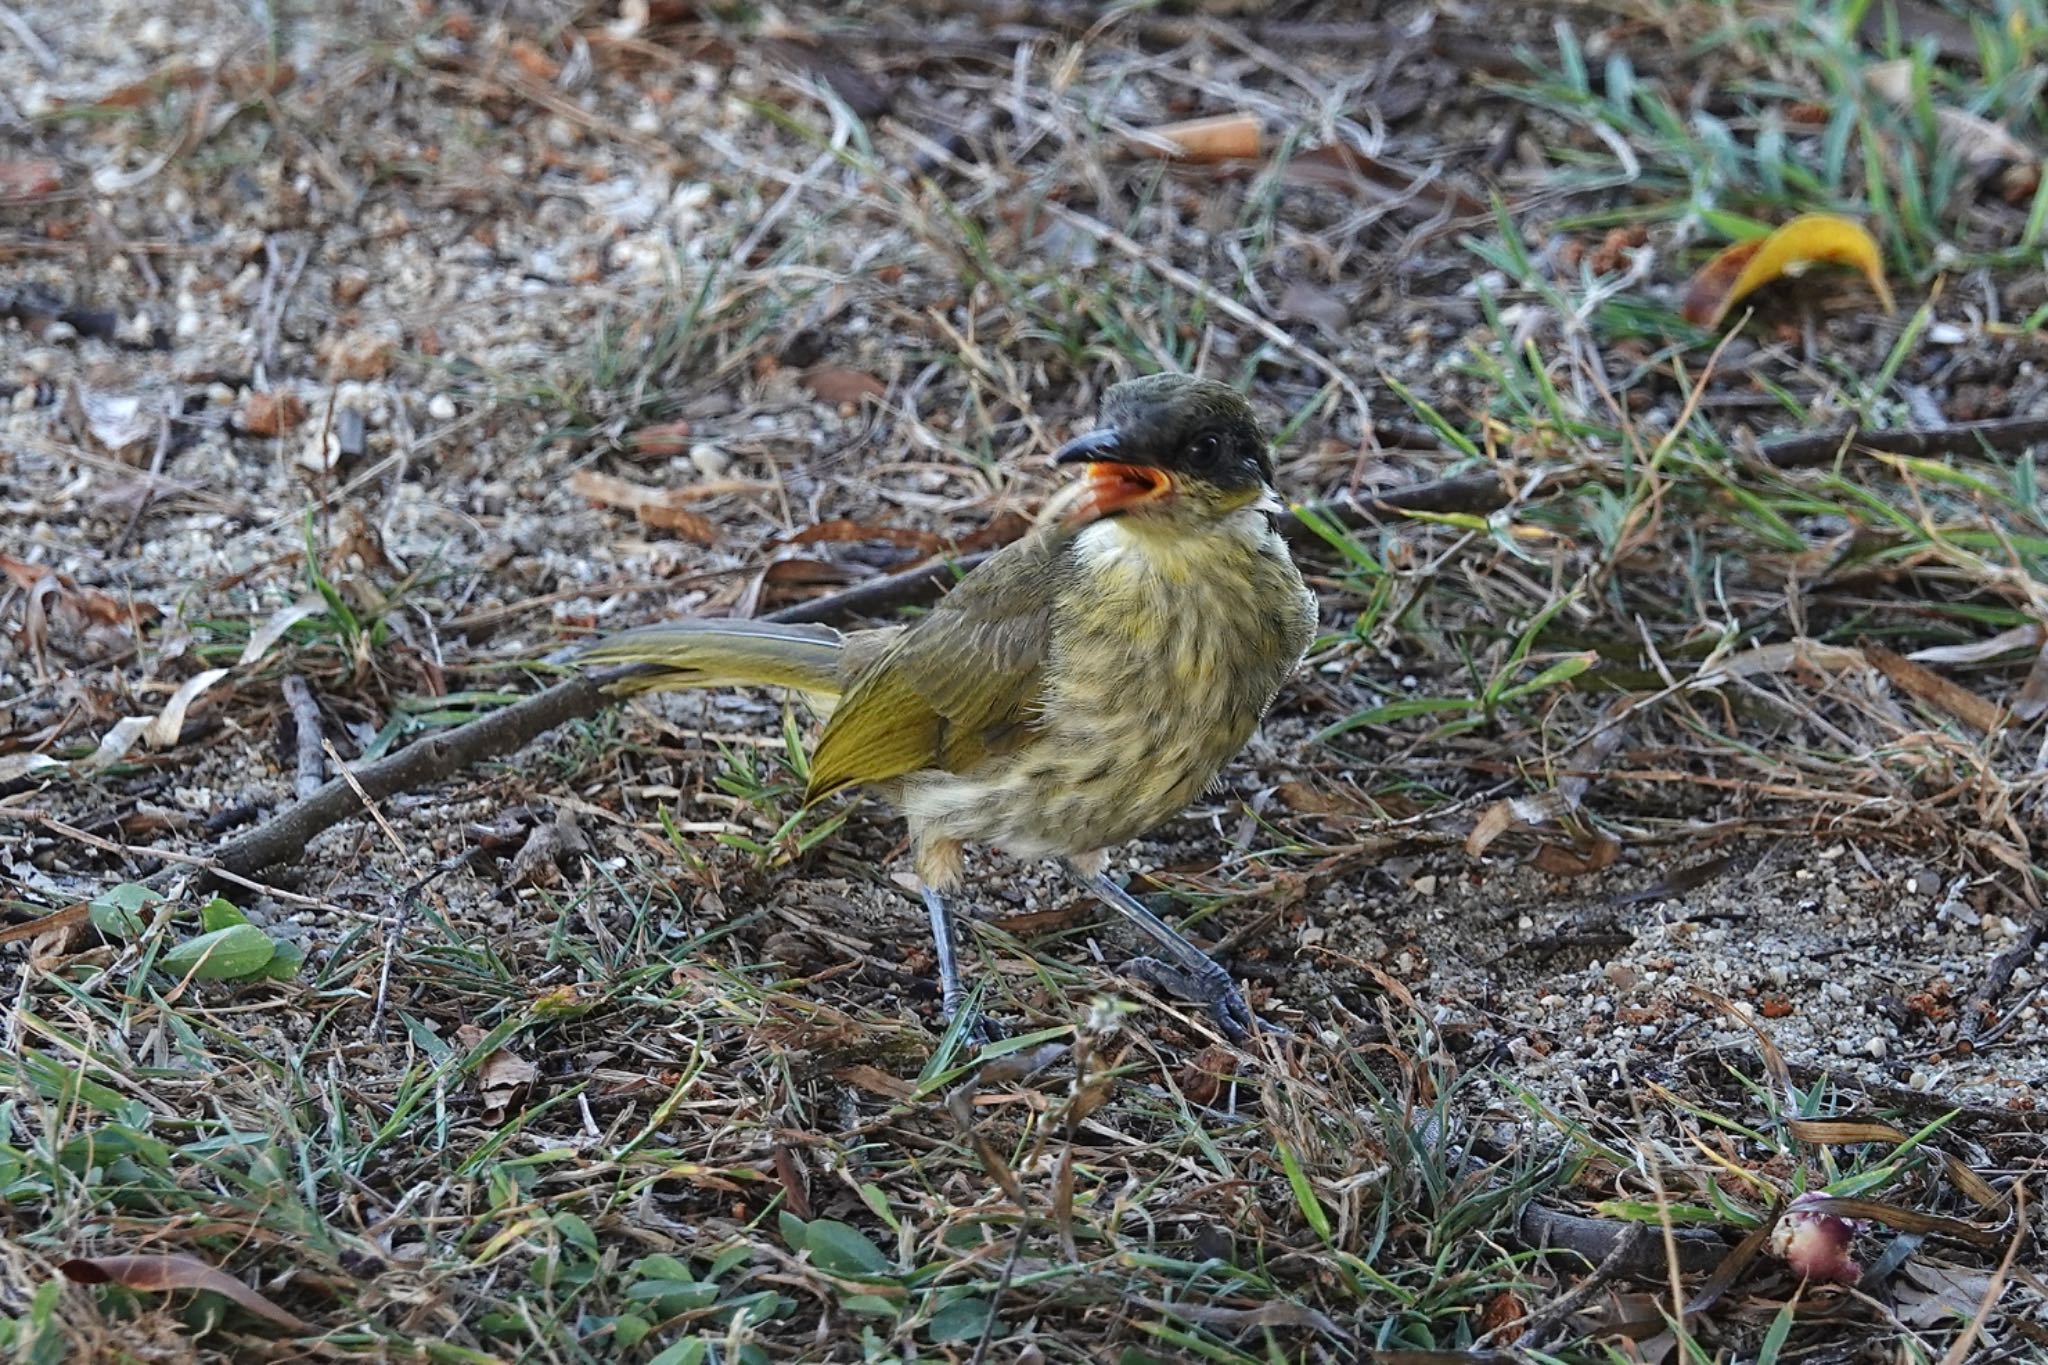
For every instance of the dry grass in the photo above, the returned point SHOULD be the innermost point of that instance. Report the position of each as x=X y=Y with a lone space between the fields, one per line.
x=1646 y=853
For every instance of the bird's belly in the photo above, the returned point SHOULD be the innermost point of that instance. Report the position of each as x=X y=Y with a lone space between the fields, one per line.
x=1156 y=683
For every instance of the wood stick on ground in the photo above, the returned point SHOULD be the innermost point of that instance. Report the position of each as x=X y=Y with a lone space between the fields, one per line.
x=283 y=838
x=2002 y=434
x=312 y=763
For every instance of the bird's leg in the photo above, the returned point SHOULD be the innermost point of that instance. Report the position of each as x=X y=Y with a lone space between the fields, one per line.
x=1185 y=969
x=946 y=944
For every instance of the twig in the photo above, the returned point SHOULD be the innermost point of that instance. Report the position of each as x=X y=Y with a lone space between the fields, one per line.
x=29 y=40
x=2003 y=434
x=1600 y=1239
x=149 y=485
x=1627 y=1250
x=312 y=766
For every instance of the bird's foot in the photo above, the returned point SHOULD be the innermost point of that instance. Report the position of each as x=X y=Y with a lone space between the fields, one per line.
x=980 y=1030
x=1212 y=988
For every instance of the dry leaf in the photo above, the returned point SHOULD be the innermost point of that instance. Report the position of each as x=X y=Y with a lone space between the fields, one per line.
x=837 y=384
x=1983 y=651
x=662 y=440
x=1812 y=239
x=1981 y=144
x=1560 y=860
x=875 y=1081
x=155 y=1274
x=273 y=629
x=120 y=424
x=20 y=179
x=1221 y=137
x=1923 y=682
x=500 y=1078
x=163 y=731
x=660 y=507
x=1940 y=1293
x=2033 y=697
x=842 y=529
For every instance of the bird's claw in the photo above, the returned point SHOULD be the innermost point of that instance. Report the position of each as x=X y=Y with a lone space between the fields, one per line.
x=1212 y=988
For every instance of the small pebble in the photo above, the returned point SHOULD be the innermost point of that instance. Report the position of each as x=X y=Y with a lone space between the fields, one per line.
x=1876 y=1046
x=441 y=408
x=1424 y=885
x=1920 y=1080
x=711 y=462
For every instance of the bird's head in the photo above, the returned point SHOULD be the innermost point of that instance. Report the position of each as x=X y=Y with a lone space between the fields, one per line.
x=1171 y=447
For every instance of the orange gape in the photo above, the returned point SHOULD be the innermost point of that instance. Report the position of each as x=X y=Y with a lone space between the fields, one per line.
x=1112 y=488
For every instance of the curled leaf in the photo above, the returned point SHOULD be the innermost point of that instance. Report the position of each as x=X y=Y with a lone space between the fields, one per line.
x=154 y=1274
x=1811 y=239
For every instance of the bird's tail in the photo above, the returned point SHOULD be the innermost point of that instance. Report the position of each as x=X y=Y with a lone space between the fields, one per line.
x=724 y=653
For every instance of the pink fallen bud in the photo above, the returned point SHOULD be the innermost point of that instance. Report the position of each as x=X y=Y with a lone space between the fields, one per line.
x=1816 y=1245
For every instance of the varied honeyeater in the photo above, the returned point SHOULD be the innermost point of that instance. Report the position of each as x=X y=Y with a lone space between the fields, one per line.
x=1080 y=687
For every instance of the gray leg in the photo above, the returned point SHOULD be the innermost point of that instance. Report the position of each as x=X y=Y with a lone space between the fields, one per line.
x=946 y=943
x=1185 y=969
x=948 y=947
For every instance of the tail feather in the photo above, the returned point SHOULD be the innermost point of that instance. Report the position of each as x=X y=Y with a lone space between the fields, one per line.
x=724 y=653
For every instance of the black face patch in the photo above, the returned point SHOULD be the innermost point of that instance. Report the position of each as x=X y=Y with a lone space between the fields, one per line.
x=1195 y=427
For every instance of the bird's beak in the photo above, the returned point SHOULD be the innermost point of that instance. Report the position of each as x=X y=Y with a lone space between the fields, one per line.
x=1109 y=485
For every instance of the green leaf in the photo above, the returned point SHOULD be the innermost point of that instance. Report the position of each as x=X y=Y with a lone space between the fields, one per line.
x=117 y=911
x=284 y=964
x=960 y=1320
x=576 y=1232
x=689 y=1351
x=221 y=913
x=223 y=955
x=1297 y=1179
x=843 y=1249
x=793 y=1230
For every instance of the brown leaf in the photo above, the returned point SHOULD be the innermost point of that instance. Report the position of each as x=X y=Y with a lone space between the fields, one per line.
x=842 y=529
x=1923 y=682
x=793 y=1184
x=2033 y=697
x=271 y=414
x=155 y=1274
x=662 y=507
x=661 y=440
x=837 y=384
x=1203 y=1078
x=500 y=1078
x=1220 y=137
x=20 y=179
x=693 y=525
x=875 y=1081
x=1561 y=861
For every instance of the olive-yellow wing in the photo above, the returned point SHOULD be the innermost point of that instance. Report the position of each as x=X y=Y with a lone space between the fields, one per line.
x=957 y=686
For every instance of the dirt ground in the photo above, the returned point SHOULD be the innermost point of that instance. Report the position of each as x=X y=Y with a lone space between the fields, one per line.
x=1622 y=827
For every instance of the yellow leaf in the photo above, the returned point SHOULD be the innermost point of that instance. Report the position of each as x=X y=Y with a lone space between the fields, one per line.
x=1812 y=239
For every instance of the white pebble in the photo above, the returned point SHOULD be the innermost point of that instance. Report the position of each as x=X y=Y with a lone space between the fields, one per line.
x=1876 y=1046
x=711 y=462
x=1920 y=1080
x=441 y=408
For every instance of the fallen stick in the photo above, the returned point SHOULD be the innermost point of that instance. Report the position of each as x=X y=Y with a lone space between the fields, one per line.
x=2002 y=434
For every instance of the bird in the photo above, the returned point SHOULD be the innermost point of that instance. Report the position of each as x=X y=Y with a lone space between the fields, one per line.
x=1075 y=690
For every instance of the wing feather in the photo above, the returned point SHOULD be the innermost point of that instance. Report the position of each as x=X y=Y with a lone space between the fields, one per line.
x=957 y=686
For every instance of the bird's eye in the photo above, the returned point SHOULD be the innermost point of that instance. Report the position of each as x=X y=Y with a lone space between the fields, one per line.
x=1204 y=447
